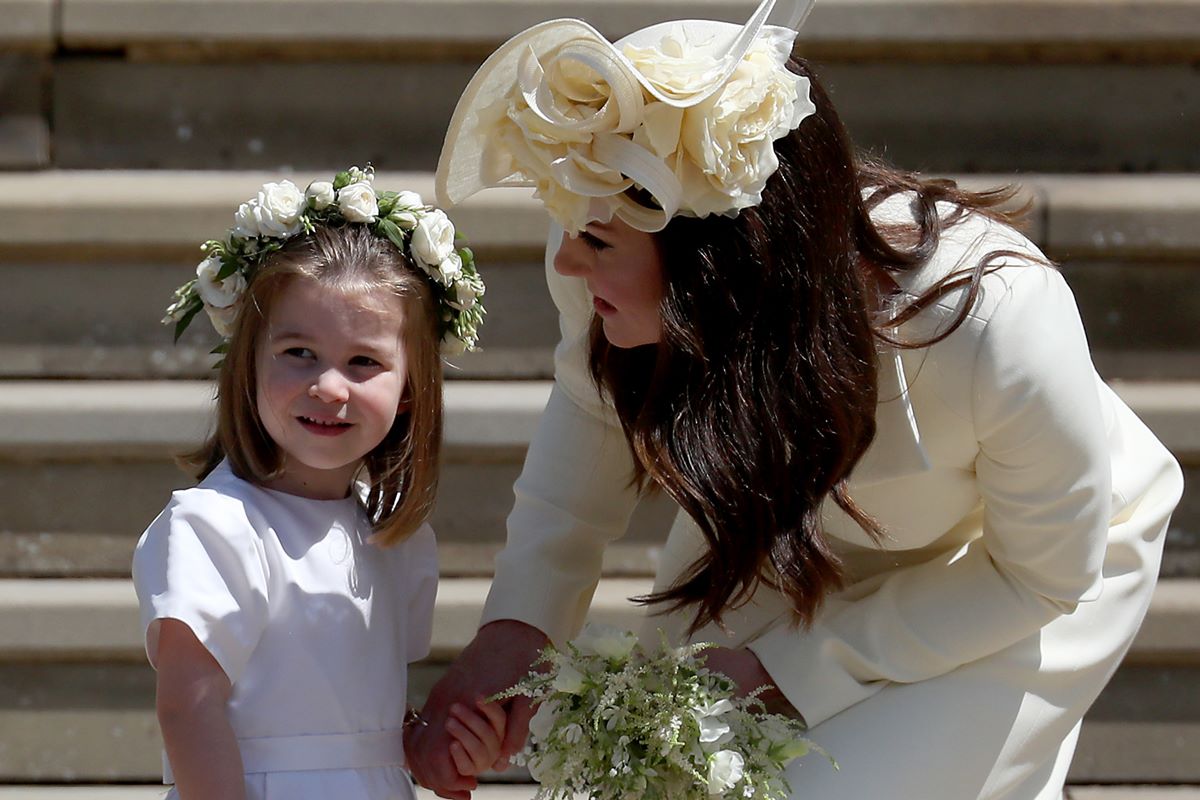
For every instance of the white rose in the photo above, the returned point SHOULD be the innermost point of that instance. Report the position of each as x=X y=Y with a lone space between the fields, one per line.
x=407 y=220
x=358 y=202
x=466 y=294
x=245 y=222
x=606 y=640
x=218 y=293
x=450 y=269
x=408 y=210
x=724 y=770
x=568 y=680
x=432 y=239
x=279 y=206
x=222 y=319
x=321 y=194
x=409 y=200
x=729 y=139
x=275 y=212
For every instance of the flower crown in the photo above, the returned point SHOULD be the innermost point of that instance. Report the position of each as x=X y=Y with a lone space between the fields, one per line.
x=686 y=112
x=280 y=212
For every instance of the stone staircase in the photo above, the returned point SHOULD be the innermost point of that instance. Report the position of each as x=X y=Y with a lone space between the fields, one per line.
x=129 y=130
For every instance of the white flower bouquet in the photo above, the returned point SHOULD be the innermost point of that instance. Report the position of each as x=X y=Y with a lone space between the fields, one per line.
x=616 y=723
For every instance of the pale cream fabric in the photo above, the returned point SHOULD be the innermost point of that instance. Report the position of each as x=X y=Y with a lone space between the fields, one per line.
x=1025 y=506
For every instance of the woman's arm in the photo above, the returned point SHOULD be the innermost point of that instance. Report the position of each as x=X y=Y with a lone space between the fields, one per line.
x=191 y=700
x=573 y=497
x=1044 y=477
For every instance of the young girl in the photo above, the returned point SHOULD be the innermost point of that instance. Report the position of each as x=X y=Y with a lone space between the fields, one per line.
x=283 y=597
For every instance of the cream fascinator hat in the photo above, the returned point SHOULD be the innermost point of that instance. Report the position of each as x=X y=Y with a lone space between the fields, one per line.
x=683 y=114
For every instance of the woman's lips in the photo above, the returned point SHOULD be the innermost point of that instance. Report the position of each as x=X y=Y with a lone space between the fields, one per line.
x=603 y=307
x=323 y=427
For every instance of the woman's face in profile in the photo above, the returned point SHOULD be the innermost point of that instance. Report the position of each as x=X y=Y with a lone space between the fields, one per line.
x=622 y=268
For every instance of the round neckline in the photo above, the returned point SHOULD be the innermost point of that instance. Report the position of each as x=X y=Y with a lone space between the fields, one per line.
x=351 y=497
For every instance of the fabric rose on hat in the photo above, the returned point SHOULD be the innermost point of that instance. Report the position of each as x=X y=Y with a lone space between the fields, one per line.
x=729 y=139
x=553 y=141
x=585 y=125
x=676 y=67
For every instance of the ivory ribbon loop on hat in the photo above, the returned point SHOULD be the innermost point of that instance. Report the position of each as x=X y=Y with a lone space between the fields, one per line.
x=645 y=169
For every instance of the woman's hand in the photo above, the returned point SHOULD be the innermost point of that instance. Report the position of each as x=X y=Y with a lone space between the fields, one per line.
x=499 y=656
x=747 y=673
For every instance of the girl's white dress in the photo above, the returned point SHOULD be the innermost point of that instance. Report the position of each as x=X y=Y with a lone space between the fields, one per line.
x=314 y=626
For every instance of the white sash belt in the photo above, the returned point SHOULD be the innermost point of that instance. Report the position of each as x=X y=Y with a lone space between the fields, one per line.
x=318 y=751
x=323 y=751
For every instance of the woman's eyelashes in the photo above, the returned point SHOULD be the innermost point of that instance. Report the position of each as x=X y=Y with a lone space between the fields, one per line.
x=593 y=241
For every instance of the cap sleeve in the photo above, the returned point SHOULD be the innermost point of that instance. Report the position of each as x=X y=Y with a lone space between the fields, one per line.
x=199 y=562
x=422 y=582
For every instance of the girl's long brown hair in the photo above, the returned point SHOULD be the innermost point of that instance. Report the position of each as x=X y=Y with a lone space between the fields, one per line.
x=402 y=471
x=760 y=397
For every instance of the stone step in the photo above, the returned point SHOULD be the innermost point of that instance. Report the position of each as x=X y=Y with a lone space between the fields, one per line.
x=1129 y=246
x=74 y=685
x=159 y=111
x=24 y=128
x=29 y=26
x=78 y=620
x=110 y=443
x=94 y=215
x=524 y=791
x=1076 y=29
x=143 y=84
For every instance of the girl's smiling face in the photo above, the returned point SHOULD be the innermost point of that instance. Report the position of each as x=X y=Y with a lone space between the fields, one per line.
x=331 y=377
x=623 y=271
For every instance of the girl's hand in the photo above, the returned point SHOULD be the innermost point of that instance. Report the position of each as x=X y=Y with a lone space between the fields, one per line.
x=478 y=736
x=499 y=656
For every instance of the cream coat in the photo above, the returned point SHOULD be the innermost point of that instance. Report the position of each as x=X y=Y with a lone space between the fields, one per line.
x=1025 y=507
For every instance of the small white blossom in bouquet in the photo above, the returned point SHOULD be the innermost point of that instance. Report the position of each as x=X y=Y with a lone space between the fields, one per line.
x=614 y=722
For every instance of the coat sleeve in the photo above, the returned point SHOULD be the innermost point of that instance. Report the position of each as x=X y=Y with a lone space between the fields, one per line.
x=574 y=495
x=1044 y=478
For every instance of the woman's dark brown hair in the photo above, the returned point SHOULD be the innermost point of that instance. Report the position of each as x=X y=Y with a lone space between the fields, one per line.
x=402 y=471
x=760 y=397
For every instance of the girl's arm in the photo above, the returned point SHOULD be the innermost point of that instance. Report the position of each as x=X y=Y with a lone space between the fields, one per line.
x=192 y=696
